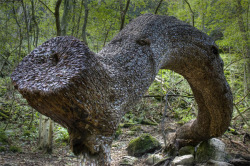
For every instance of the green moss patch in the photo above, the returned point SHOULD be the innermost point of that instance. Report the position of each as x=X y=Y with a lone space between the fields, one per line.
x=2 y=149
x=148 y=122
x=3 y=138
x=15 y=149
x=118 y=132
x=135 y=128
x=143 y=144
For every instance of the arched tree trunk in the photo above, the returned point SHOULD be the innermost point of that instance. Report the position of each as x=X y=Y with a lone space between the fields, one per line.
x=89 y=93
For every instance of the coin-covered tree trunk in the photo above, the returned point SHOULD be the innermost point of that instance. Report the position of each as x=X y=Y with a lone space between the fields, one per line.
x=90 y=92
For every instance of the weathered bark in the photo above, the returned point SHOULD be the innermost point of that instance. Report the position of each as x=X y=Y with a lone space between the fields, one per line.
x=45 y=140
x=89 y=93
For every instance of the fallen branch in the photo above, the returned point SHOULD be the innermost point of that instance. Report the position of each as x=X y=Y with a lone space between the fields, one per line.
x=240 y=144
x=168 y=95
x=165 y=161
x=235 y=142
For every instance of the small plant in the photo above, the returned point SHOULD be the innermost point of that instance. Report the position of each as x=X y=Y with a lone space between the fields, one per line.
x=26 y=133
x=15 y=149
x=2 y=149
x=135 y=128
x=62 y=136
x=3 y=138
x=118 y=132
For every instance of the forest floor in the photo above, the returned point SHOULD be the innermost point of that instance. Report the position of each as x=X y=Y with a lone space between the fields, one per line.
x=62 y=156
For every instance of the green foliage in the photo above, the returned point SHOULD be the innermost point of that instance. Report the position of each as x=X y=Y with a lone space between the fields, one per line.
x=135 y=128
x=27 y=133
x=118 y=132
x=3 y=138
x=15 y=149
x=2 y=149
x=148 y=122
x=4 y=115
x=127 y=125
x=62 y=135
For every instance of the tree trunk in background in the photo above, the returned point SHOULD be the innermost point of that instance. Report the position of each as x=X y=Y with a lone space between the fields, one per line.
x=79 y=19
x=203 y=14
x=158 y=6
x=246 y=48
x=27 y=24
x=86 y=9
x=45 y=134
x=73 y=18
x=123 y=12
x=192 y=12
x=65 y=17
x=57 y=17
x=36 y=34
x=20 y=34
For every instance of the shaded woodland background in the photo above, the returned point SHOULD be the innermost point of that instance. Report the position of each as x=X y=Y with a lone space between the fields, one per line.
x=25 y=24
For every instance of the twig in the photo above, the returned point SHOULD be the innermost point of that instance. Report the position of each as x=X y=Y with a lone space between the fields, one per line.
x=242 y=98
x=164 y=161
x=46 y=7
x=190 y=11
x=240 y=144
x=190 y=109
x=158 y=151
x=241 y=115
x=152 y=119
x=6 y=59
x=158 y=6
x=229 y=140
x=234 y=62
x=168 y=95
